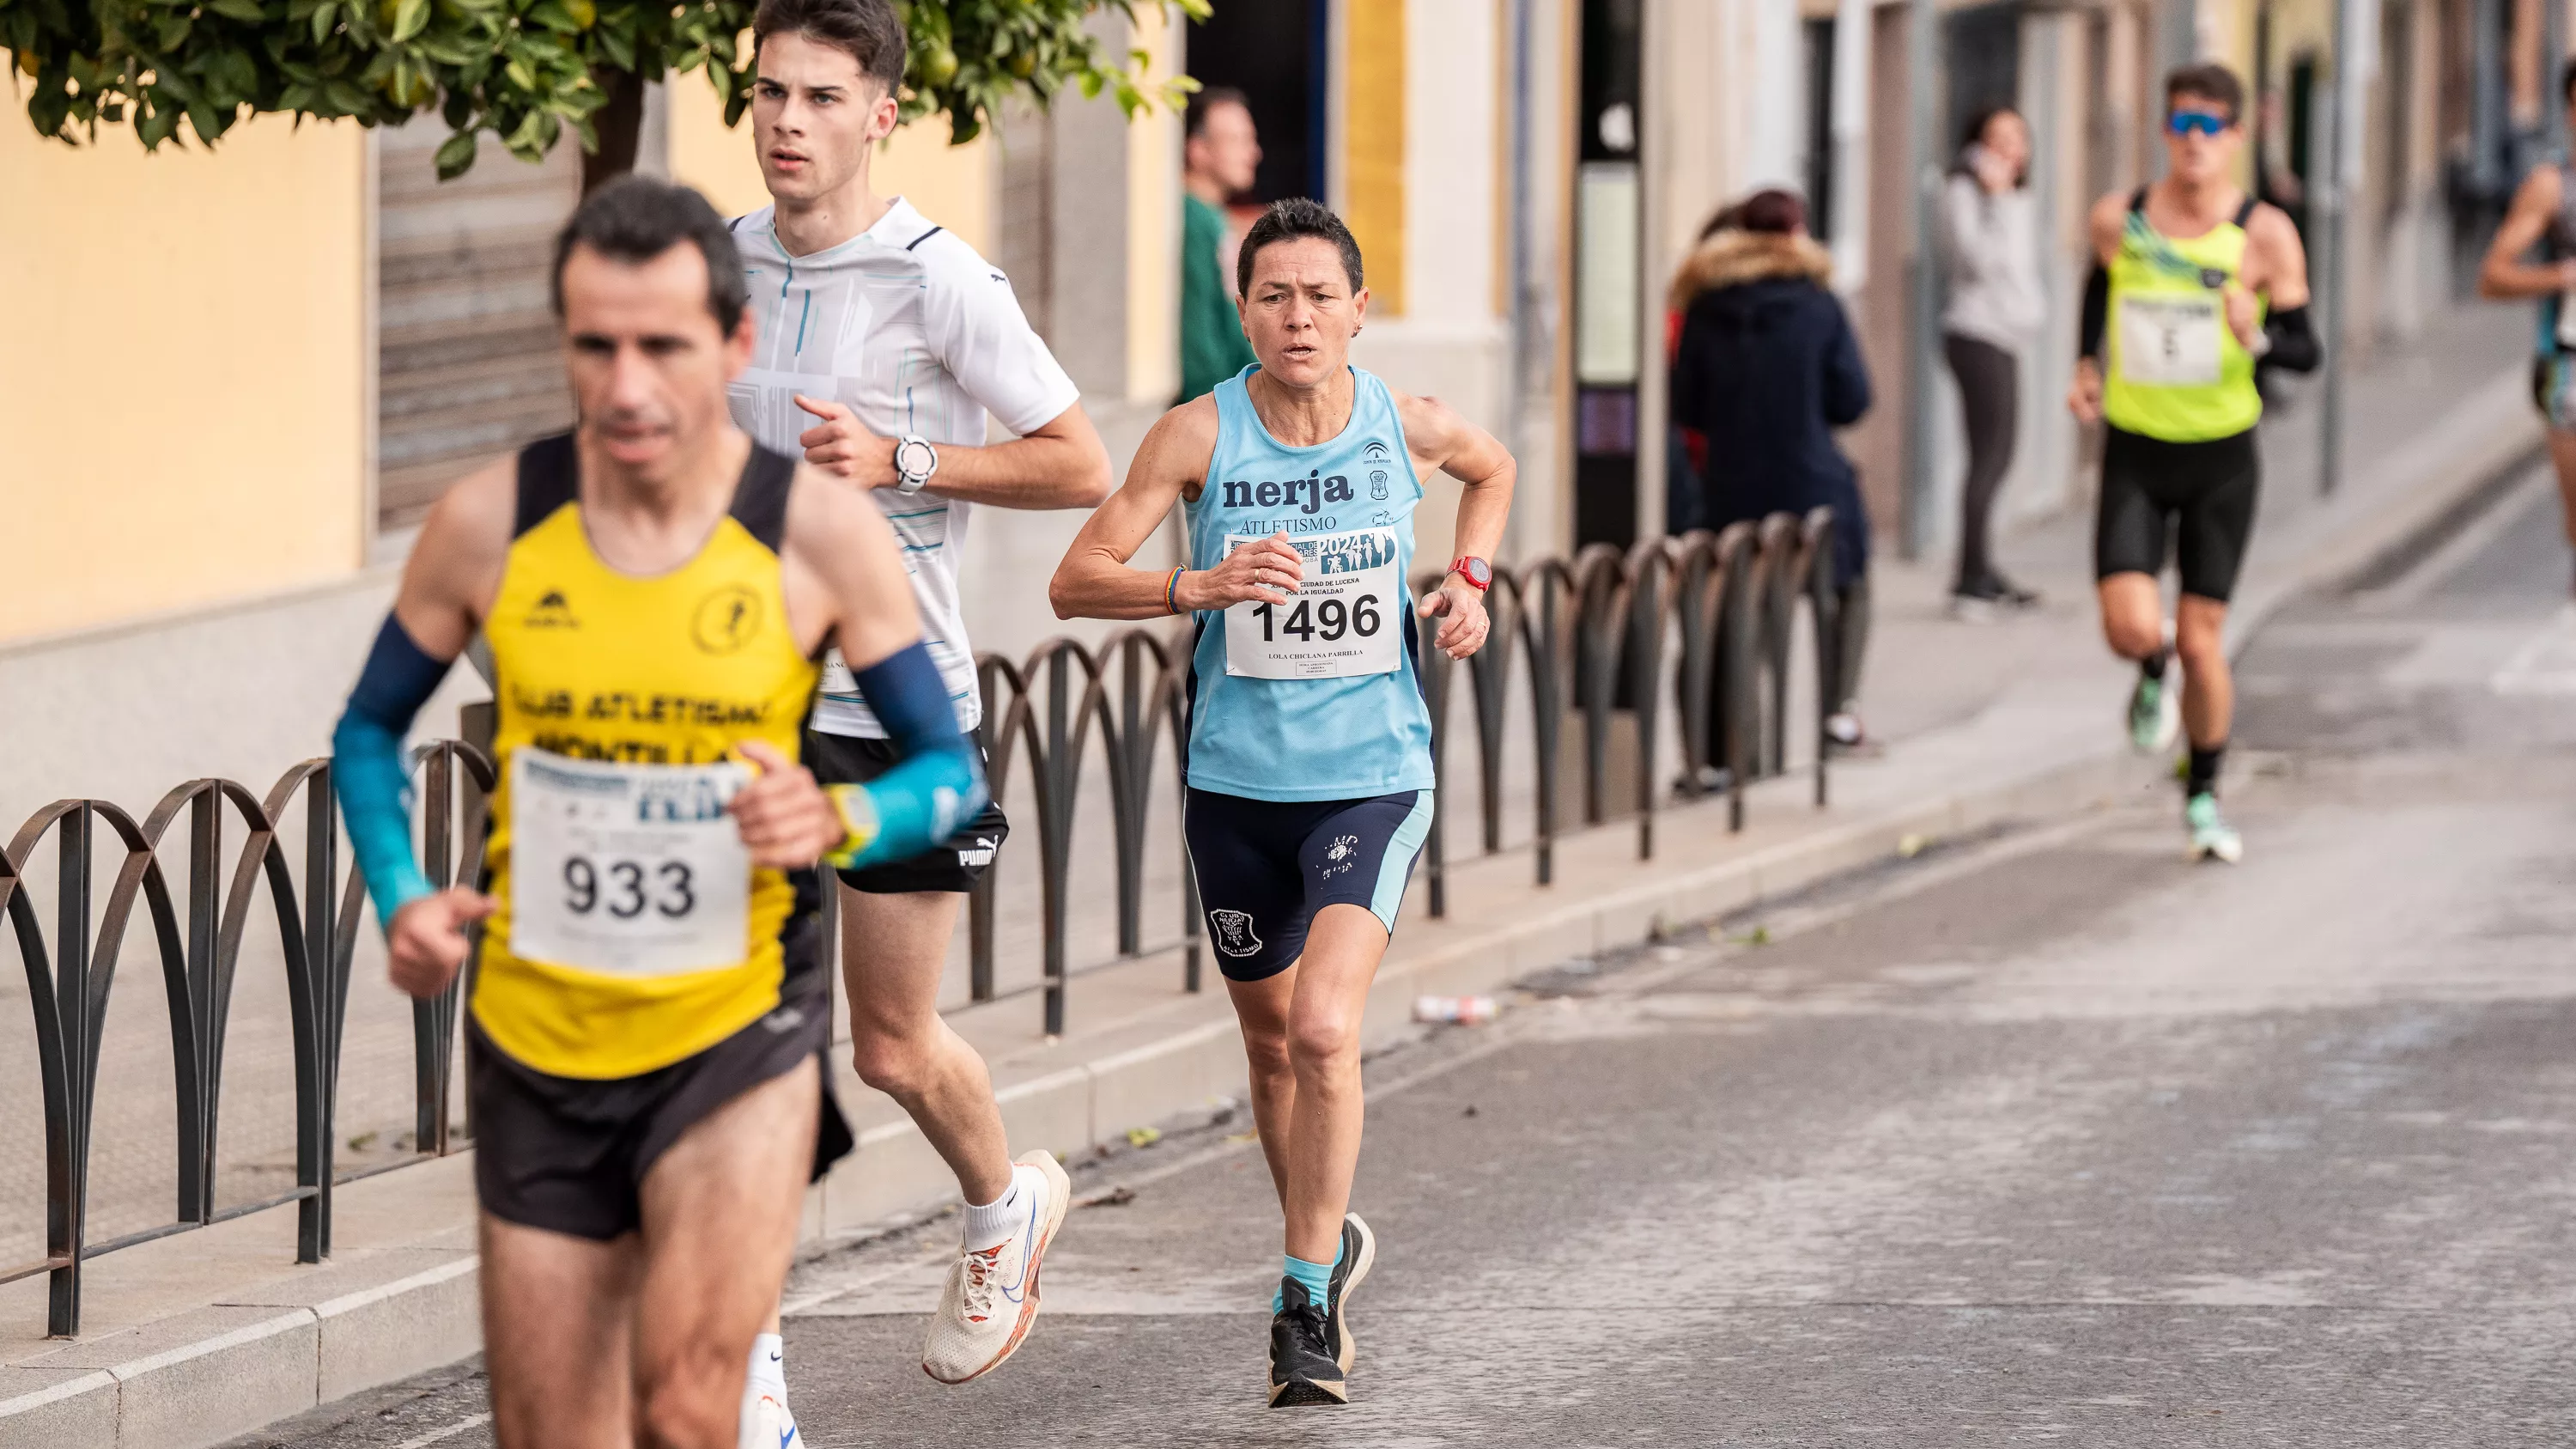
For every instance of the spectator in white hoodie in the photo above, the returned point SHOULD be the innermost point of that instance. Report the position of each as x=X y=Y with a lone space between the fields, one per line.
x=1991 y=257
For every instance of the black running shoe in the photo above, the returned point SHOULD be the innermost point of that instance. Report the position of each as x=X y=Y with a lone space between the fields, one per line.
x=1359 y=1254
x=1303 y=1367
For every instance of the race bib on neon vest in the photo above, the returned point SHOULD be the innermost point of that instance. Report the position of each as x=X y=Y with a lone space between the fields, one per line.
x=2170 y=341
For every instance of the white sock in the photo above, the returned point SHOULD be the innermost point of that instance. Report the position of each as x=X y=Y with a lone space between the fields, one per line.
x=1004 y=1215
x=768 y=1367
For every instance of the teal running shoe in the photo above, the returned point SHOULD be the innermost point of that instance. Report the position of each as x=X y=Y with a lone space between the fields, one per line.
x=2212 y=838
x=2155 y=714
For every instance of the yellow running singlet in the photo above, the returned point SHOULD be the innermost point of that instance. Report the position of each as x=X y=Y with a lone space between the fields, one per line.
x=632 y=930
x=2177 y=372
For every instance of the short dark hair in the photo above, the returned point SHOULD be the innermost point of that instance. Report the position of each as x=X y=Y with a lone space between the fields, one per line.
x=2567 y=83
x=636 y=218
x=1195 y=118
x=1298 y=216
x=868 y=31
x=1777 y=210
x=1974 y=133
x=2209 y=81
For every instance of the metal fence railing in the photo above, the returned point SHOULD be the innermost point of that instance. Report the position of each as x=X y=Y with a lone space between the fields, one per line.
x=1684 y=645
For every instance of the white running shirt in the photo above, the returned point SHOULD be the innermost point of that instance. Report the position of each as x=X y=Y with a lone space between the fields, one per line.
x=917 y=334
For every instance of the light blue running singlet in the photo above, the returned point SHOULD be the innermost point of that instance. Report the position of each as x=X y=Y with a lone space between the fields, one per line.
x=1319 y=699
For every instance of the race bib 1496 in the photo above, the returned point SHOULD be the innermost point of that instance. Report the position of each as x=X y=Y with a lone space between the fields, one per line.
x=1346 y=618
x=632 y=870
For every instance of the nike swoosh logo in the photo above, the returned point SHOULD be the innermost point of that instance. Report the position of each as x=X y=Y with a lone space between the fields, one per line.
x=1013 y=1291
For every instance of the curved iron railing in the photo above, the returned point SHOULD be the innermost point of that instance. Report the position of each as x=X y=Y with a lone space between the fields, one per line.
x=70 y=978
x=1693 y=634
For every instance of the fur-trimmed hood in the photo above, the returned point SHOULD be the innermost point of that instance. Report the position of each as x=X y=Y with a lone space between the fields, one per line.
x=1732 y=258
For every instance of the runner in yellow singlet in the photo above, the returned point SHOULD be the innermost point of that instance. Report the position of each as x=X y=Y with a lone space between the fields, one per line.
x=2195 y=280
x=648 y=1005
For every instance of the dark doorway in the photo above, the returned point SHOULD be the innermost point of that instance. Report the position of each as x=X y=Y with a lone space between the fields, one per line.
x=1273 y=52
x=1818 y=36
x=1608 y=340
x=1983 y=48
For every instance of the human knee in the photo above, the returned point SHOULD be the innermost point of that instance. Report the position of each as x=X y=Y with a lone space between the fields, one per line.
x=1323 y=1041
x=2132 y=634
x=1265 y=1048
x=2198 y=643
x=897 y=1063
x=694 y=1403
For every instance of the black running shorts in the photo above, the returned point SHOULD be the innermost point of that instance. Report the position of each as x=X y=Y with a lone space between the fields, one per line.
x=2193 y=501
x=569 y=1155
x=953 y=866
x=1265 y=867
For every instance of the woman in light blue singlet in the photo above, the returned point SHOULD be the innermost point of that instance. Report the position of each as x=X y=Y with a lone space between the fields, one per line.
x=1309 y=750
x=1321 y=699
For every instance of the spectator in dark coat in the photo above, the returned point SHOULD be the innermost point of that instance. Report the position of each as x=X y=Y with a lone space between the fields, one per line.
x=1766 y=368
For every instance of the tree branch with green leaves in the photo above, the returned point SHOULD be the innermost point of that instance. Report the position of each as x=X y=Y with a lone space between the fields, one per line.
x=526 y=71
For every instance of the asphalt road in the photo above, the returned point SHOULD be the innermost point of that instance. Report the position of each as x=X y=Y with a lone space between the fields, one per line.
x=2046 y=1136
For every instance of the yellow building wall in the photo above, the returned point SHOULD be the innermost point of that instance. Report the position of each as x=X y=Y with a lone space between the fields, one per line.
x=1373 y=111
x=952 y=185
x=1154 y=225
x=183 y=372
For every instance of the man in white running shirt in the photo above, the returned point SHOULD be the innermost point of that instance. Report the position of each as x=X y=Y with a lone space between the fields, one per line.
x=883 y=344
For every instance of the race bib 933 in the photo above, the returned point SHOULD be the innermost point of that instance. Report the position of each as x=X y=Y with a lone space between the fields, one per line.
x=632 y=870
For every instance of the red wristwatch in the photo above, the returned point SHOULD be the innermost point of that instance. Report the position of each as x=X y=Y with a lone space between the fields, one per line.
x=1475 y=571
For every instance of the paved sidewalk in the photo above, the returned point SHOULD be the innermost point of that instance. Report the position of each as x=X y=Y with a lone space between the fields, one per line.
x=198 y=1337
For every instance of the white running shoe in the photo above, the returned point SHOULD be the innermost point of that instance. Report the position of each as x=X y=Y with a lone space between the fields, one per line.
x=992 y=1293
x=2212 y=838
x=766 y=1424
x=2155 y=712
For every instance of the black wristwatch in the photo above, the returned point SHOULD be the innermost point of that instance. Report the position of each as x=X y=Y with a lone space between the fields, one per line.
x=914 y=461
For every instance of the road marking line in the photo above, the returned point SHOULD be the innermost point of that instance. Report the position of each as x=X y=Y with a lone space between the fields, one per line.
x=451 y=1431
x=2546 y=663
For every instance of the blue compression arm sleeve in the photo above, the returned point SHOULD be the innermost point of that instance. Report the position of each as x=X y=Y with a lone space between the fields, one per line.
x=370 y=774
x=938 y=785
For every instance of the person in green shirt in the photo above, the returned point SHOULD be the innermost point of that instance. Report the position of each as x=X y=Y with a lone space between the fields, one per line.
x=1217 y=164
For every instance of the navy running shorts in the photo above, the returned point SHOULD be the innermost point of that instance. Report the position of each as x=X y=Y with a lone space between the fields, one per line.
x=1265 y=867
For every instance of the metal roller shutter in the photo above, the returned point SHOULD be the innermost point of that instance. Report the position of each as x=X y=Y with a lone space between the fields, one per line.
x=467 y=358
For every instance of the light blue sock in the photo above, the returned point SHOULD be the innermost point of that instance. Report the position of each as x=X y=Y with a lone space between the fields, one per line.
x=1318 y=1278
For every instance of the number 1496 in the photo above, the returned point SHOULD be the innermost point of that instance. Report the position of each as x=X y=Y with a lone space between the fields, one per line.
x=1327 y=618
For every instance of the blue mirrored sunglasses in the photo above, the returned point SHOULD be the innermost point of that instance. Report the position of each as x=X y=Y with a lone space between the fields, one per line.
x=2183 y=123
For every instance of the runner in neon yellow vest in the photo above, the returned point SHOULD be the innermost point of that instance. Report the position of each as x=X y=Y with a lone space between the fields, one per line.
x=2195 y=283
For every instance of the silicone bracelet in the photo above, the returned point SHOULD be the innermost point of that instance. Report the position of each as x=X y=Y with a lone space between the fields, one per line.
x=1171 y=590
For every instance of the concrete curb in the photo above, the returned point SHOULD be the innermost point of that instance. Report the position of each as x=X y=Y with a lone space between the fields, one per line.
x=202 y=1377
x=2428 y=484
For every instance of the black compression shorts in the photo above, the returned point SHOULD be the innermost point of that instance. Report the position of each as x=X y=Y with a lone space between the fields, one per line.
x=2190 y=501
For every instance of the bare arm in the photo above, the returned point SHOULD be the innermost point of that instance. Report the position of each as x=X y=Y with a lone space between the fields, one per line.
x=1061 y=464
x=2504 y=273
x=2281 y=260
x=1095 y=582
x=1439 y=438
x=843 y=574
x=2108 y=219
x=455 y=565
